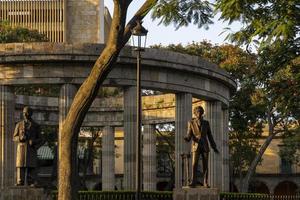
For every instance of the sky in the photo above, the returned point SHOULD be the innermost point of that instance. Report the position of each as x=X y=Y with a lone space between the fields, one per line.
x=160 y=34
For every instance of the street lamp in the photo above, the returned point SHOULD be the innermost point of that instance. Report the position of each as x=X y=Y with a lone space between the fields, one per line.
x=139 y=33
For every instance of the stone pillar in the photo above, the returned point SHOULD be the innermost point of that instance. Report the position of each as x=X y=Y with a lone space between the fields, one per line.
x=66 y=95
x=149 y=158
x=213 y=113
x=183 y=114
x=108 y=158
x=7 y=147
x=129 y=137
x=225 y=151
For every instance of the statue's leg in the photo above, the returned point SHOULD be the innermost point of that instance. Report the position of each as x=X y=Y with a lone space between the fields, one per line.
x=195 y=159
x=205 y=156
x=30 y=175
x=20 y=175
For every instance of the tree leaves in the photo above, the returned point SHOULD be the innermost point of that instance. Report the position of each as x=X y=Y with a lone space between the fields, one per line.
x=183 y=12
x=267 y=20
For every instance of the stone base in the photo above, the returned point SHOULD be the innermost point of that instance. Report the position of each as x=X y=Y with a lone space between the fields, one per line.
x=22 y=193
x=198 y=193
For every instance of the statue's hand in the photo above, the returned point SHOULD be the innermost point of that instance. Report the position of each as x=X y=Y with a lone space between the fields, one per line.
x=186 y=138
x=30 y=142
x=22 y=138
x=216 y=151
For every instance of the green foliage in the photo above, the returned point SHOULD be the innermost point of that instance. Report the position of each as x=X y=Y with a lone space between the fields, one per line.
x=265 y=21
x=38 y=90
x=290 y=149
x=10 y=34
x=110 y=92
x=165 y=149
x=49 y=135
x=183 y=12
x=230 y=57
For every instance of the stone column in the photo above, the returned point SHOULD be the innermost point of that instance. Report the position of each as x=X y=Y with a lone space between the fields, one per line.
x=149 y=157
x=108 y=158
x=183 y=114
x=225 y=151
x=7 y=147
x=129 y=137
x=66 y=95
x=213 y=113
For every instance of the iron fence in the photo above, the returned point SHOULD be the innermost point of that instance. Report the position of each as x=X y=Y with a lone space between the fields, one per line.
x=119 y=195
x=251 y=196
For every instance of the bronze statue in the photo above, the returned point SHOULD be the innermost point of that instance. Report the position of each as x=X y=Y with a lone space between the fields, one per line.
x=27 y=137
x=199 y=132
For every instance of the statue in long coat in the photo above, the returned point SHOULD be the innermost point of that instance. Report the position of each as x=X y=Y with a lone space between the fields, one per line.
x=27 y=137
x=200 y=134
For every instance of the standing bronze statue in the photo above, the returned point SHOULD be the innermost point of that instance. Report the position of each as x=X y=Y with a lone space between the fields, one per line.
x=199 y=132
x=27 y=137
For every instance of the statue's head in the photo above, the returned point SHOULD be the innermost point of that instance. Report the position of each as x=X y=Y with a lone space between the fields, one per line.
x=27 y=112
x=198 y=112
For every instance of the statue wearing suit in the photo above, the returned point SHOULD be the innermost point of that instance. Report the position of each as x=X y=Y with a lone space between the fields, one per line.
x=200 y=134
x=27 y=137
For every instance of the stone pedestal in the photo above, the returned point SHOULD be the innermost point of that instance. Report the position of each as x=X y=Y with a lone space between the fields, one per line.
x=199 y=193
x=22 y=193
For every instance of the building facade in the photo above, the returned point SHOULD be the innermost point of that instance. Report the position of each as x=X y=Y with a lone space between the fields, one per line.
x=70 y=21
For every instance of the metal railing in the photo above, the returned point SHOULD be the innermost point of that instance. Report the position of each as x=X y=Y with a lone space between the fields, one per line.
x=119 y=195
x=251 y=196
x=163 y=195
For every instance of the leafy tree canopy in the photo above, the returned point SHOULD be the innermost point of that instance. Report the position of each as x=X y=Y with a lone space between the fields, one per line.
x=183 y=12
x=265 y=21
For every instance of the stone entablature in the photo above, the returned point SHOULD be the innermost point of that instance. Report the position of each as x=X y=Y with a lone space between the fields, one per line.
x=157 y=109
x=50 y=63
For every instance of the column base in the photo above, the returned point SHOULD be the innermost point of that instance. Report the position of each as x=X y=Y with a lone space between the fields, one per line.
x=22 y=193
x=198 y=193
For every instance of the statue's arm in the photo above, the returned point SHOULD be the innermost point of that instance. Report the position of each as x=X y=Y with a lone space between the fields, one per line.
x=16 y=134
x=189 y=134
x=211 y=139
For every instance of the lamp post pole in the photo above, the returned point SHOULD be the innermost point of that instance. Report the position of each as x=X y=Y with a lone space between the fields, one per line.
x=138 y=124
x=140 y=32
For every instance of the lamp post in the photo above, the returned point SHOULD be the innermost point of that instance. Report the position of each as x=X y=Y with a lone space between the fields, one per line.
x=139 y=33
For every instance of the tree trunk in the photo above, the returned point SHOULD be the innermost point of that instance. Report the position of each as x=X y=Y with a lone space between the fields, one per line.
x=255 y=162
x=118 y=37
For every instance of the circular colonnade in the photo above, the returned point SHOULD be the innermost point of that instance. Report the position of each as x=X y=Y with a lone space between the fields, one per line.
x=185 y=77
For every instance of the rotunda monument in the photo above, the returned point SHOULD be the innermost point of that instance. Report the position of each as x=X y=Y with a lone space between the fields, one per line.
x=67 y=60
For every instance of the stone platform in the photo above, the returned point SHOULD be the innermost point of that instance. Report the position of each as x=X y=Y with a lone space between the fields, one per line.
x=198 y=193
x=22 y=193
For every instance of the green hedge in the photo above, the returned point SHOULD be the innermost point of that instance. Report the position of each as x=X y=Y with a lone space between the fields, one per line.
x=120 y=195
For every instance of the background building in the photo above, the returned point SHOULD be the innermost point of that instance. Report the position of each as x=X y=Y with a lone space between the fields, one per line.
x=70 y=21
